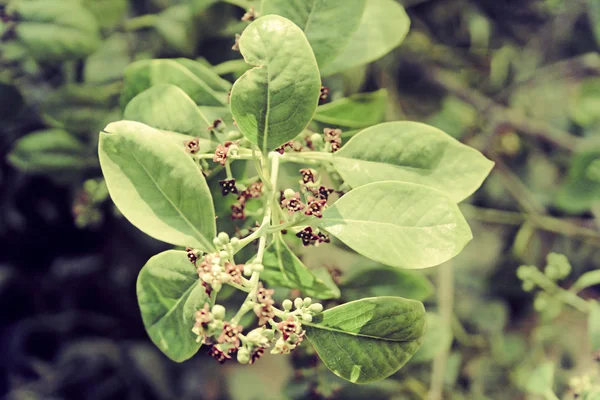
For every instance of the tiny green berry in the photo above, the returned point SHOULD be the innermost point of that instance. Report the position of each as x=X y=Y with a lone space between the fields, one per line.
x=289 y=193
x=218 y=312
x=287 y=304
x=223 y=237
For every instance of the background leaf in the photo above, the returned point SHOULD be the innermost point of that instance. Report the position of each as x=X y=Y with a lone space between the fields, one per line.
x=437 y=338
x=357 y=111
x=594 y=325
x=412 y=152
x=156 y=185
x=383 y=27
x=169 y=293
x=283 y=268
x=369 y=339
x=275 y=101
x=398 y=224
x=327 y=24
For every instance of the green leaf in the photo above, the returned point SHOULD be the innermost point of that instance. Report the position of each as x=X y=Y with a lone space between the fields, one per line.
x=327 y=24
x=176 y=26
x=437 y=338
x=275 y=101
x=594 y=325
x=541 y=379
x=412 y=152
x=357 y=111
x=49 y=151
x=594 y=16
x=205 y=74
x=108 y=13
x=580 y=191
x=108 y=63
x=585 y=110
x=169 y=293
x=55 y=30
x=398 y=224
x=167 y=107
x=144 y=74
x=283 y=268
x=384 y=281
x=383 y=27
x=369 y=339
x=156 y=185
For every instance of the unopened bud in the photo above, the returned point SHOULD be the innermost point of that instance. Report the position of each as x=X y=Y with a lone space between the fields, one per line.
x=243 y=356
x=223 y=237
x=306 y=317
x=218 y=312
x=316 y=138
x=224 y=254
x=258 y=267
x=234 y=242
x=289 y=193
x=287 y=304
x=307 y=301
x=298 y=303
x=316 y=308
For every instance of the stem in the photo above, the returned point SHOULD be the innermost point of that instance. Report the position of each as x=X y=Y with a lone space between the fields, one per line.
x=262 y=244
x=445 y=279
x=141 y=22
x=563 y=295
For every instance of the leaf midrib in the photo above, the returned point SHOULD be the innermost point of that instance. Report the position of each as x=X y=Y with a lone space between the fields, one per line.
x=335 y=330
x=185 y=295
x=325 y=219
x=200 y=236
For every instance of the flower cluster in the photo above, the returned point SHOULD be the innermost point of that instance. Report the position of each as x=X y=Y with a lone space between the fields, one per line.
x=253 y=191
x=223 y=150
x=334 y=138
x=227 y=338
x=311 y=237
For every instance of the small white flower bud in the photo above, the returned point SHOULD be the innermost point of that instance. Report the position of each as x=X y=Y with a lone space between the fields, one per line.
x=216 y=269
x=298 y=303
x=289 y=193
x=258 y=267
x=316 y=308
x=216 y=261
x=234 y=242
x=243 y=355
x=306 y=318
x=218 y=312
x=216 y=286
x=223 y=237
x=316 y=138
x=247 y=271
x=224 y=254
x=287 y=305
x=307 y=301
x=217 y=242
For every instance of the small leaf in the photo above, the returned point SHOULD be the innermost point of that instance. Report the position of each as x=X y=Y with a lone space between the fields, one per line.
x=144 y=74
x=156 y=185
x=586 y=280
x=275 y=101
x=383 y=27
x=167 y=107
x=594 y=325
x=169 y=293
x=369 y=339
x=579 y=192
x=107 y=64
x=384 y=281
x=437 y=338
x=398 y=224
x=205 y=74
x=283 y=268
x=108 y=12
x=327 y=24
x=49 y=151
x=357 y=111
x=177 y=27
x=412 y=152
x=55 y=30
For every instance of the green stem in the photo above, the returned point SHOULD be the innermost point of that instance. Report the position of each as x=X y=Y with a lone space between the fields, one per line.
x=563 y=295
x=141 y=22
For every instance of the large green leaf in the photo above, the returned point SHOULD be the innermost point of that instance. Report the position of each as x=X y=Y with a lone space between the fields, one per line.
x=177 y=27
x=357 y=111
x=275 y=101
x=412 y=152
x=49 y=151
x=167 y=107
x=383 y=27
x=327 y=24
x=283 y=268
x=144 y=74
x=369 y=339
x=380 y=280
x=169 y=293
x=55 y=30
x=156 y=185
x=398 y=224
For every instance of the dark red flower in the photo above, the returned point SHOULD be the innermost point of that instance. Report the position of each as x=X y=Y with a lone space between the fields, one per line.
x=293 y=204
x=315 y=207
x=308 y=236
x=308 y=175
x=228 y=186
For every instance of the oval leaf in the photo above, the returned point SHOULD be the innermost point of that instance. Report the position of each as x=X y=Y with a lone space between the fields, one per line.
x=275 y=101
x=327 y=24
x=156 y=185
x=398 y=224
x=144 y=74
x=283 y=268
x=167 y=107
x=412 y=152
x=369 y=339
x=357 y=111
x=169 y=294
x=383 y=27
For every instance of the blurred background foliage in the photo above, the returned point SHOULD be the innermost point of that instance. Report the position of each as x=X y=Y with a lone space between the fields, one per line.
x=519 y=80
